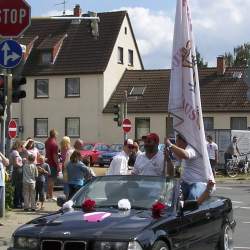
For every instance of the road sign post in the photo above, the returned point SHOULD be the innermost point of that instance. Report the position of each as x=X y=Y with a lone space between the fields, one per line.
x=15 y=17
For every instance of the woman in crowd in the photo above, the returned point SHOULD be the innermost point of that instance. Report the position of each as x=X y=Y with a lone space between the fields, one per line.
x=66 y=152
x=31 y=149
x=16 y=163
x=78 y=173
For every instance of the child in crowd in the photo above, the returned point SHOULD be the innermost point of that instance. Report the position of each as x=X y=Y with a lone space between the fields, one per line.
x=30 y=173
x=43 y=172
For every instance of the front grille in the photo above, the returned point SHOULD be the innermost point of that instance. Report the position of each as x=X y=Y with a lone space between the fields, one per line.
x=74 y=245
x=52 y=245
x=60 y=245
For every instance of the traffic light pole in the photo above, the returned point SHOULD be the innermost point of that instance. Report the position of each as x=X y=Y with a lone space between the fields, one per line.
x=3 y=137
x=125 y=136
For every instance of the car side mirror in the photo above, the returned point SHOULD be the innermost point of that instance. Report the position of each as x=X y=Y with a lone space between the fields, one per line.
x=190 y=205
x=61 y=200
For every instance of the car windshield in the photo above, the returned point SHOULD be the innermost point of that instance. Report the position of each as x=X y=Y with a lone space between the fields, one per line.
x=141 y=191
x=116 y=147
x=88 y=146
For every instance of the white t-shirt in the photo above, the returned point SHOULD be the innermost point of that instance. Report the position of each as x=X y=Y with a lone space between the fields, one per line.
x=193 y=168
x=211 y=149
x=119 y=165
x=145 y=166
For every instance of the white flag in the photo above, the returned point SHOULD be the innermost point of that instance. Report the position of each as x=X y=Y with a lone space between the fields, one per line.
x=184 y=96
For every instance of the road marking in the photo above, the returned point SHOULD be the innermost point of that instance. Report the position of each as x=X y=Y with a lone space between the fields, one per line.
x=237 y=202
x=241 y=247
x=226 y=188
x=246 y=222
x=245 y=208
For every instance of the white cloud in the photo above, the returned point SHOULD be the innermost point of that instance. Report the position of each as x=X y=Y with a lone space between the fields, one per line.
x=219 y=25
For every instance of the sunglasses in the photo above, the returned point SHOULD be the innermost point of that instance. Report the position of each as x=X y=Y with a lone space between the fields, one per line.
x=130 y=146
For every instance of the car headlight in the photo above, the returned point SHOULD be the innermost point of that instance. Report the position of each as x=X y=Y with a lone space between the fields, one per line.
x=106 y=245
x=26 y=243
x=134 y=245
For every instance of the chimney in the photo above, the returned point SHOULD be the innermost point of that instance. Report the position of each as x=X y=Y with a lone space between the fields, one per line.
x=77 y=10
x=221 y=65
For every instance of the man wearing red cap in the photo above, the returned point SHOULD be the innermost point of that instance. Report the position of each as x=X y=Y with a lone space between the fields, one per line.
x=119 y=164
x=151 y=162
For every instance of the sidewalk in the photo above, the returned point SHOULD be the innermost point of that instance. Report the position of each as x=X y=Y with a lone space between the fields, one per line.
x=16 y=218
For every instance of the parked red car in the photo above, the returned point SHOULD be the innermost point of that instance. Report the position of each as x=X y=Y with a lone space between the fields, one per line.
x=92 y=150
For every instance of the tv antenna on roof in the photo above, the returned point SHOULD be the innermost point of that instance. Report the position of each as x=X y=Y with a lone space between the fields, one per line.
x=64 y=6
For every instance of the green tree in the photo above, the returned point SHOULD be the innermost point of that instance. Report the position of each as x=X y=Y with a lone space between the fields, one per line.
x=240 y=56
x=200 y=60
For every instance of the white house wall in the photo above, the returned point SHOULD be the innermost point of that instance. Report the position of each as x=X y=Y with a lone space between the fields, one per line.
x=56 y=108
x=114 y=71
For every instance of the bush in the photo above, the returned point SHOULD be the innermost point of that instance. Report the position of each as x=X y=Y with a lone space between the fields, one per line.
x=9 y=194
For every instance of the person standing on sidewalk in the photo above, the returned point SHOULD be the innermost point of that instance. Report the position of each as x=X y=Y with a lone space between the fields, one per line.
x=212 y=149
x=4 y=162
x=43 y=172
x=51 y=149
x=30 y=173
x=16 y=173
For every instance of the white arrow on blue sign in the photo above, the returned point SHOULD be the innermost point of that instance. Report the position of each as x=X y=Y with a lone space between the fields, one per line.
x=10 y=53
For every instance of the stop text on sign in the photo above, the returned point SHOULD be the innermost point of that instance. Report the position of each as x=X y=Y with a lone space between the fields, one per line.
x=13 y=16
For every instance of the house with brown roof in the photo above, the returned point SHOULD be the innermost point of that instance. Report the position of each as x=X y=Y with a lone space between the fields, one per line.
x=72 y=74
x=223 y=96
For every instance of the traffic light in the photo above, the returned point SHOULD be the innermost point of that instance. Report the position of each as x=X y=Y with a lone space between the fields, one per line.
x=2 y=96
x=118 y=112
x=17 y=92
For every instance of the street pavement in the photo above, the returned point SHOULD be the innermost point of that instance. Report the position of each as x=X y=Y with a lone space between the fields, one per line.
x=240 y=196
x=238 y=192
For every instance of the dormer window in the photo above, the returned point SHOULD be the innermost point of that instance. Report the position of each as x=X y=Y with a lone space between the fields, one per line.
x=46 y=57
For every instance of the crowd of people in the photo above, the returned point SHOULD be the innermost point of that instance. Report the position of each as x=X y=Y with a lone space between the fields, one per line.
x=33 y=175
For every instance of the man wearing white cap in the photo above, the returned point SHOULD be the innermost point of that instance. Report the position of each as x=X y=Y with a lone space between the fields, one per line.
x=119 y=164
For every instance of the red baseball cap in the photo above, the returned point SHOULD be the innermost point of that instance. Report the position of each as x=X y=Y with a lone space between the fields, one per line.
x=153 y=137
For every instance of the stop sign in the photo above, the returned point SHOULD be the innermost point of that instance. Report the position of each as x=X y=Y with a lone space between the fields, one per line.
x=14 y=17
x=12 y=129
x=126 y=125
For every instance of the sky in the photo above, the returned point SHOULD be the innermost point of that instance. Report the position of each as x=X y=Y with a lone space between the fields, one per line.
x=219 y=25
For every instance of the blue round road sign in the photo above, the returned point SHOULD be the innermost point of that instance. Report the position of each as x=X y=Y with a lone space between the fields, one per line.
x=10 y=54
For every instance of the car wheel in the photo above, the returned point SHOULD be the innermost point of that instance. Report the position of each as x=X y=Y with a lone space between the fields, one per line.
x=160 y=245
x=226 y=240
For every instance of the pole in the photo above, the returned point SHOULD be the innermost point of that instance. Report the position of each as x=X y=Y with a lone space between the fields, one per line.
x=125 y=111
x=8 y=113
x=3 y=136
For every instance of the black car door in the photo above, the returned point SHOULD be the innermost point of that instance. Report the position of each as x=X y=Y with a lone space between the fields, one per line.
x=193 y=229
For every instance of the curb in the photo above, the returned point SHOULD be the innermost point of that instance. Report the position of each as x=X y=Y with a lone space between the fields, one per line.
x=4 y=243
x=233 y=181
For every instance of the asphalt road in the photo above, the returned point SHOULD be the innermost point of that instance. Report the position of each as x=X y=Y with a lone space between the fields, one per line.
x=240 y=196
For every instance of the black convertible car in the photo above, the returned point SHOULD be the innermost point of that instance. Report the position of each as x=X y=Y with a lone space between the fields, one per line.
x=158 y=219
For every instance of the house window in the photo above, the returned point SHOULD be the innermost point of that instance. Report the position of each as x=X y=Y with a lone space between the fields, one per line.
x=239 y=123
x=41 y=127
x=130 y=57
x=120 y=55
x=41 y=88
x=72 y=127
x=142 y=127
x=46 y=57
x=208 y=123
x=126 y=31
x=72 y=87
x=169 y=127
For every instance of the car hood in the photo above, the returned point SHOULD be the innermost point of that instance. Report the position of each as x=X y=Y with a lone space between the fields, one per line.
x=122 y=225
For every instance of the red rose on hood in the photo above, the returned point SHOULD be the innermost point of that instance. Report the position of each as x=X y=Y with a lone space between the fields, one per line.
x=88 y=205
